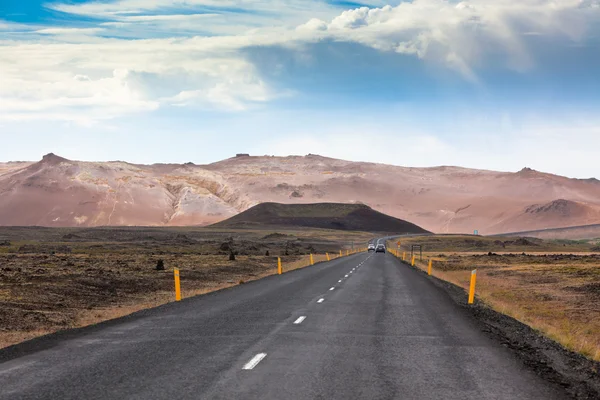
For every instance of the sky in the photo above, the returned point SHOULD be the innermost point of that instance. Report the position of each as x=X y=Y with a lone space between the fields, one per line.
x=496 y=85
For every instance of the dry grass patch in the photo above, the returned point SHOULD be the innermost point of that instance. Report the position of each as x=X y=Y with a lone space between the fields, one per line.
x=42 y=293
x=59 y=278
x=555 y=294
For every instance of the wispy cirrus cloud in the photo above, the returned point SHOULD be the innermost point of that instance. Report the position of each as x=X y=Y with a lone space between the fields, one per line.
x=69 y=31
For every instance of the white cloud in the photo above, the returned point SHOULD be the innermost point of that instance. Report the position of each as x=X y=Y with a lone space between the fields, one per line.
x=169 y=17
x=462 y=35
x=69 y=31
x=72 y=80
x=70 y=72
x=75 y=98
x=107 y=8
x=257 y=13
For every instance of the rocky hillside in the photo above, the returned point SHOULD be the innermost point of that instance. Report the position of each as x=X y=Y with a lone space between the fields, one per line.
x=60 y=192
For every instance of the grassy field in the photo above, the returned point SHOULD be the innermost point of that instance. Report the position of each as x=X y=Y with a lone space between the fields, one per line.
x=54 y=279
x=552 y=286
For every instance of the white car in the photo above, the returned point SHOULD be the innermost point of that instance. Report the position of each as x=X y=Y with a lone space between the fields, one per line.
x=371 y=247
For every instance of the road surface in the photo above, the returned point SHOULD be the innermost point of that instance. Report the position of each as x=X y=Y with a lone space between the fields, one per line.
x=360 y=327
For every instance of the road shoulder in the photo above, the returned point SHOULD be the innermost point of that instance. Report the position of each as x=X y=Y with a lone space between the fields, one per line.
x=579 y=376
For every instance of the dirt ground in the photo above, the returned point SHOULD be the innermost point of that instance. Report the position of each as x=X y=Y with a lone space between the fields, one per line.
x=55 y=279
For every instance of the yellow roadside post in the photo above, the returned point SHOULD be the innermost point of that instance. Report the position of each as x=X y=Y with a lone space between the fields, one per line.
x=429 y=268
x=279 y=269
x=404 y=256
x=312 y=261
x=347 y=252
x=472 y=287
x=177 y=284
x=340 y=253
x=327 y=254
x=412 y=263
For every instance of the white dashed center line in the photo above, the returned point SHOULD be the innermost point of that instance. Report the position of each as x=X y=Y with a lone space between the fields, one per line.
x=299 y=320
x=321 y=300
x=332 y=288
x=345 y=276
x=255 y=360
x=340 y=281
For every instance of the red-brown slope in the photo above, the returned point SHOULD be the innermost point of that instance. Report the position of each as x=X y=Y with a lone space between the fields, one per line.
x=555 y=214
x=441 y=199
x=59 y=192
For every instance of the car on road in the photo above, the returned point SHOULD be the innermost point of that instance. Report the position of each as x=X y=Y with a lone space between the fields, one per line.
x=380 y=248
x=371 y=247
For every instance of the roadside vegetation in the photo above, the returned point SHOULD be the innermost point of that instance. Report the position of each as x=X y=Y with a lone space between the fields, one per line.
x=552 y=286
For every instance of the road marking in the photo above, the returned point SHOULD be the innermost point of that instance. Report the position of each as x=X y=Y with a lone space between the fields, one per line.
x=345 y=276
x=255 y=360
x=17 y=367
x=299 y=320
x=340 y=281
x=321 y=300
x=351 y=271
x=332 y=288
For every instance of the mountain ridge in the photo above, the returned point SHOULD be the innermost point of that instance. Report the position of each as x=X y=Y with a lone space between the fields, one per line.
x=60 y=192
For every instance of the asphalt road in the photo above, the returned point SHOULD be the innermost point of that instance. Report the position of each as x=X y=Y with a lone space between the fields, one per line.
x=361 y=327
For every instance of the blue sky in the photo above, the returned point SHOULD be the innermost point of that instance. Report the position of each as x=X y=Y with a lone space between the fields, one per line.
x=482 y=84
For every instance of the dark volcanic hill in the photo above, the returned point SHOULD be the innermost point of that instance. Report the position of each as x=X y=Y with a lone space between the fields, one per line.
x=351 y=217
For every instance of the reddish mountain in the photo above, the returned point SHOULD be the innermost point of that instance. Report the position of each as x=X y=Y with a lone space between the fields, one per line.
x=60 y=192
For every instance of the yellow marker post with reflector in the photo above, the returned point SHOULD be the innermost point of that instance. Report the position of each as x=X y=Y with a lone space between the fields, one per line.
x=472 y=287
x=429 y=268
x=340 y=253
x=177 y=284
x=279 y=268
x=404 y=256
x=312 y=261
x=327 y=254
x=412 y=262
